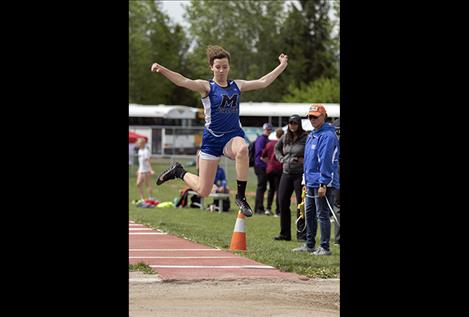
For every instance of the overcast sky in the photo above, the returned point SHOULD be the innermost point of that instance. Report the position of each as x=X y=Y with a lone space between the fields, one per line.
x=175 y=10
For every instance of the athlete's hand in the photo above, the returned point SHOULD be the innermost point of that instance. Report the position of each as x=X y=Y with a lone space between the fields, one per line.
x=283 y=59
x=155 y=67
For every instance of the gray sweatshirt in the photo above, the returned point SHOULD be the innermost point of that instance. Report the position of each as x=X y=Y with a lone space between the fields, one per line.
x=288 y=154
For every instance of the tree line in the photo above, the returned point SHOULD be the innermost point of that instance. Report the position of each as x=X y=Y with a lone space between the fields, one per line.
x=254 y=32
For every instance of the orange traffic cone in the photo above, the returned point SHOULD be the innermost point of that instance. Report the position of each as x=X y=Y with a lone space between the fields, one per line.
x=238 y=240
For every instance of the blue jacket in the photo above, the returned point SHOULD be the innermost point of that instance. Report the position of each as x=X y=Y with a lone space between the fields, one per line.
x=220 y=178
x=321 y=165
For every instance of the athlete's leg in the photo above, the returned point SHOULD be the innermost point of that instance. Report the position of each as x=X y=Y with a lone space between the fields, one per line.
x=140 y=180
x=237 y=149
x=203 y=183
x=148 y=184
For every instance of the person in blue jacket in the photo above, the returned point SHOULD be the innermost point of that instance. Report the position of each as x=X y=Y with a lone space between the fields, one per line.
x=220 y=183
x=321 y=162
x=223 y=134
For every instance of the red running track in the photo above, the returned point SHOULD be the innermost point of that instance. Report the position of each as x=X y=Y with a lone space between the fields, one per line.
x=175 y=258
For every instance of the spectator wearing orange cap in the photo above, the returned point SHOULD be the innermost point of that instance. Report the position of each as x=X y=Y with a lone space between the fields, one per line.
x=321 y=180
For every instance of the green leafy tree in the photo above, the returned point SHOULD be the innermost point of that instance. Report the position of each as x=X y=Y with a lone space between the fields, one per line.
x=152 y=38
x=313 y=52
x=254 y=32
x=336 y=37
x=307 y=36
x=247 y=29
x=320 y=46
x=323 y=90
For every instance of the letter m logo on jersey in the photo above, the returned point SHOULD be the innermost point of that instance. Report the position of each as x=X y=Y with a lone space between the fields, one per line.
x=229 y=104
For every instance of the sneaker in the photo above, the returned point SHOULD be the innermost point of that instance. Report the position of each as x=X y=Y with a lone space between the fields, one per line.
x=321 y=251
x=268 y=212
x=169 y=173
x=243 y=206
x=276 y=215
x=279 y=238
x=304 y=248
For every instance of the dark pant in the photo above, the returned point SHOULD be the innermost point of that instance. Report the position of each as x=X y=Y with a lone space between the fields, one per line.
x=274 y=180
x=317 y=211
x=261 y=187
x=288 y=184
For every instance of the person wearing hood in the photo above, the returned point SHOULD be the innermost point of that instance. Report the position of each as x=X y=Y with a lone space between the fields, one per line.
x=321 y=180
x=289 y=151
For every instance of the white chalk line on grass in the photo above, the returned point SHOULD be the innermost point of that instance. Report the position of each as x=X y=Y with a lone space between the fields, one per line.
x=213 y=266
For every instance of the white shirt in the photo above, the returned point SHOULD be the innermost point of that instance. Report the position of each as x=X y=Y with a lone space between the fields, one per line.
x=143 y=165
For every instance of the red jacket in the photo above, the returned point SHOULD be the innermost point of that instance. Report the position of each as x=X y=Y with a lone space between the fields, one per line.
x=272 y=163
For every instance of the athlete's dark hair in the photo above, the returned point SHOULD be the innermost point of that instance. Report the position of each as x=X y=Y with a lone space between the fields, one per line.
x=214 y=52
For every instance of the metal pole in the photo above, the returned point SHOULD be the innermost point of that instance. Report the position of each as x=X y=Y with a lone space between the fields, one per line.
x=329 y=205
x=332 y=211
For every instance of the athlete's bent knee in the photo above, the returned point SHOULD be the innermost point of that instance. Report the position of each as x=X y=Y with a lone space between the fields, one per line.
x=243 y=151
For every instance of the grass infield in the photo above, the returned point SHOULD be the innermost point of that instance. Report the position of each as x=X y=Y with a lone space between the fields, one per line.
x=215 y=229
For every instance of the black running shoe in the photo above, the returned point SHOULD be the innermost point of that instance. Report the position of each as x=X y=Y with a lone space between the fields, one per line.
x=244 y=206
x=169 y=173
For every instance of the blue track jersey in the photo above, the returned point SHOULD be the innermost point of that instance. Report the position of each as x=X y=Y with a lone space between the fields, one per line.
x=221 y=108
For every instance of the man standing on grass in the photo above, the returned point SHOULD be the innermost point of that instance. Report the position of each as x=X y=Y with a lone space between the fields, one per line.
x=321 y=164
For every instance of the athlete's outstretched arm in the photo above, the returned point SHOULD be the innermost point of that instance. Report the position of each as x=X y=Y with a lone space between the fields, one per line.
x=247 y=85
x=198 y=85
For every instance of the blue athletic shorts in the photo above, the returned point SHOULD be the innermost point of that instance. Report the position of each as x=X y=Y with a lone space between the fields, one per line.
x=213 y=145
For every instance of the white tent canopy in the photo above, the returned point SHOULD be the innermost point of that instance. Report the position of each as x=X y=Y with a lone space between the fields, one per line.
x=162 y=111
x=274 y=109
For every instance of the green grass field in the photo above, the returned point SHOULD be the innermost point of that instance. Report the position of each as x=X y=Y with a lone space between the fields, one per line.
x=215 y=229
